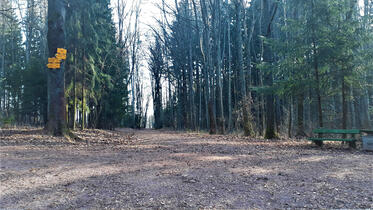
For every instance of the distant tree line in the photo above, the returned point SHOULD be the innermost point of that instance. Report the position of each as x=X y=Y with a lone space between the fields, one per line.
x=266 y=67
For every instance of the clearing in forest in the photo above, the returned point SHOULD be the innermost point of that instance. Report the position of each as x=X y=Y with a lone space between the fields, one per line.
x=164 y=169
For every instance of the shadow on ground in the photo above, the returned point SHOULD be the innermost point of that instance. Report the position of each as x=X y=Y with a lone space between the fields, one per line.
x=176 y=170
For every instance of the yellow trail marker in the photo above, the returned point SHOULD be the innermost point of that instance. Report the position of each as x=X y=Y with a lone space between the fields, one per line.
x=53 y=60
x=54 y=65
x=61 y=51
x=61 y=56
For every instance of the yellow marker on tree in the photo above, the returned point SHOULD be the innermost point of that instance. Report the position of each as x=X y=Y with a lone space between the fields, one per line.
x=61 y=56
x=55 y=63
x=61 y=51
x=53 y=60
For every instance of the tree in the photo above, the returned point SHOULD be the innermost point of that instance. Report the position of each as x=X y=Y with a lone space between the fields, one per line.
x=156 y=69
x=269 y=10
x=56 y=78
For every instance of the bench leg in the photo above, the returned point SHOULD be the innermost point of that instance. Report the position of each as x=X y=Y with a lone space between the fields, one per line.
x=352 y=144
x=318 y=143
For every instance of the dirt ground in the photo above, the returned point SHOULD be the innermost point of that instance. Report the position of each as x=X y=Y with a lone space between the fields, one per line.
x=164 y=169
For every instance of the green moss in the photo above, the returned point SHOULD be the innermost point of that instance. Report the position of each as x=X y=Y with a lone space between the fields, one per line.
x=270 y=134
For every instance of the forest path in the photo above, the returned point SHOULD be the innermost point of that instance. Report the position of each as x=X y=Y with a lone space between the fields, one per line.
x=164 y=169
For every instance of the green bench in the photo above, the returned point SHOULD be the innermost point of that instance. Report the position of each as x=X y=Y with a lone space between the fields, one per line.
x=351 y=141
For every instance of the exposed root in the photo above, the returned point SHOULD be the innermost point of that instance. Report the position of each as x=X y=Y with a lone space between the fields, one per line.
x=71 y=137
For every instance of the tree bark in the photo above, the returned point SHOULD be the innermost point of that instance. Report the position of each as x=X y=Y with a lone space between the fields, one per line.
x=290 y=116
x=29 y=28
x=229 y=73
x=2 y=99
x=199 y=79
x=220 y=107
x=243 y=99
x=211 y=113
x=300 y=121
x=75 y=95
x=192 y=114
x=268 y=78
x=344 y=104
x=242 y=81
x=317 y=75
x=83 y=92
x=56 y=77
x=206 y=52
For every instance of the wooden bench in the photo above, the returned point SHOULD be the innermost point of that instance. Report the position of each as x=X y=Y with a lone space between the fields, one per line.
x=369 y=132
x=351 y=141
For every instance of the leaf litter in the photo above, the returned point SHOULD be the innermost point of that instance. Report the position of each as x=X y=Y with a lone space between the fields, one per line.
x=166 y=170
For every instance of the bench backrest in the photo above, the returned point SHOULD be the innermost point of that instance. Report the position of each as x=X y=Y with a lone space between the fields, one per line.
x=367 y=131
x=337 y=131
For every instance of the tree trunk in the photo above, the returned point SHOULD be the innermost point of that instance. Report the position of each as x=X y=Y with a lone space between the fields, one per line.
x=319 y=102
x=268 y=78
x=157 y=99
x=211 y=113
x=364 y=115
x=317 y=75
x=357 y=108
x=352 y=110
x=199 y=78
x=242 y=81
x=29 y=28
x=207 y=63
x=229 y=73
x=300 y=121
x=171 y=103
x=199 y=94
x=220 y=108
x=75 y=95
x=244 y=101
x=56 y=77
x=191 y=92
x=290 y=116
x=2 y=99
x=344 y=104
x=83 y=92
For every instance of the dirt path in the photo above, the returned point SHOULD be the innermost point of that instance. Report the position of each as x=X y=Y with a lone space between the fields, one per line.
x=154 y=169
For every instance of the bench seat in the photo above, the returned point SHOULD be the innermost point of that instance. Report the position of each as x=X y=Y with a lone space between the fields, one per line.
x=337 y=131
x=329 y=139
x=351 y=141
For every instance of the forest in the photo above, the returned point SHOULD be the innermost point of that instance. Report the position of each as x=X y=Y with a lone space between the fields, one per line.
x=95 y=72
x=186 y=104
x=262 y=67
